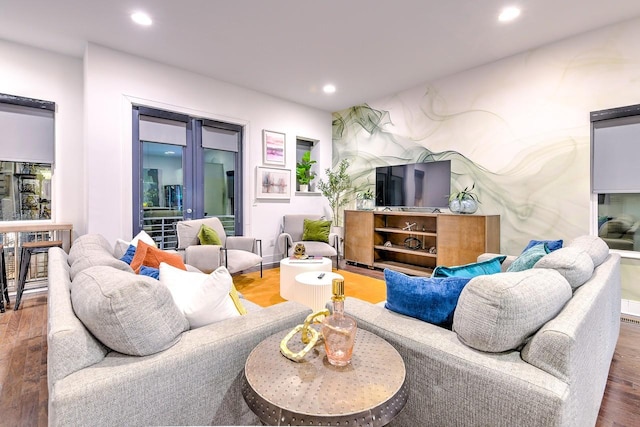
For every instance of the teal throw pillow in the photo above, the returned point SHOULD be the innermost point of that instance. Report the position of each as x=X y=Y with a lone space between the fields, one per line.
x=208 y=236
x=430 y=299
x=552 y=245
x=527 y=259
x=316 y=230
x=490 y=266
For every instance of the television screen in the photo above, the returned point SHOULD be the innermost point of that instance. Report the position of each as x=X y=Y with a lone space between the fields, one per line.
x=414 y=185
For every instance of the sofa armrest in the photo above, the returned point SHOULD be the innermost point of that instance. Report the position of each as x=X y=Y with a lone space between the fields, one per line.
x=284 y=243
x=195 y=382
x=450 y=381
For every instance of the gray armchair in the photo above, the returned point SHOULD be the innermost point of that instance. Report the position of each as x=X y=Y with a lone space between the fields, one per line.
x=292 y=230
x=237 y=253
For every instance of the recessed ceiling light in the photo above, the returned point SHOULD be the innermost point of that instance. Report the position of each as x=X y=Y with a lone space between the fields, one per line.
x=328 y=88
x=509 y=14
x=141 y=18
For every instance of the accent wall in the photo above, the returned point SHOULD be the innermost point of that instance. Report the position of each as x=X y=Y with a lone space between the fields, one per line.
x=517 y=128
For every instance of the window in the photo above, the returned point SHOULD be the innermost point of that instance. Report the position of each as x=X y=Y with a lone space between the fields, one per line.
x=26 y=158
x=615 y=176
x=302 y=146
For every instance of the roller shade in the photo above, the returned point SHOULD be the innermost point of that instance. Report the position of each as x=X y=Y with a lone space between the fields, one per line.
x=220 y=139
x=615 y=154
x=154 y=129
x=26 y=134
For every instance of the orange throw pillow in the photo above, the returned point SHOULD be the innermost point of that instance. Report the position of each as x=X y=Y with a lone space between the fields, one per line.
x=152 y=257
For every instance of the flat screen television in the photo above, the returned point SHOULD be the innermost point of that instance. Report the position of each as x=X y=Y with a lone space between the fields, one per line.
x=414 y=185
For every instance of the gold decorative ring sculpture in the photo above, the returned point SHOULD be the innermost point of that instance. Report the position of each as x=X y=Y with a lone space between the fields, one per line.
x=309 y=336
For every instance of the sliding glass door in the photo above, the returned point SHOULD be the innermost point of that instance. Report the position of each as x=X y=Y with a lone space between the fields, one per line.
x=184 y=168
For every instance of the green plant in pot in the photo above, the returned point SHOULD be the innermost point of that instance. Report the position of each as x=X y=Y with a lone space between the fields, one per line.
x=304 y=174
x=465 y=201
x=336 y=187
x=364 y=200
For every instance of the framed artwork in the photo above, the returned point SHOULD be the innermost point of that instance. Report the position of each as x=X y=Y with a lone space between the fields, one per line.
x=273 y=148
x=273 y=183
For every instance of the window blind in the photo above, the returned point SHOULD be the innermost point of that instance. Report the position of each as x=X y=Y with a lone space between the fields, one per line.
x=27 y=134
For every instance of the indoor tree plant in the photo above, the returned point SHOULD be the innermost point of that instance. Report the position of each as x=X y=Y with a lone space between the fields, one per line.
x=304 y=174
x=336 y=187
x=465 y=201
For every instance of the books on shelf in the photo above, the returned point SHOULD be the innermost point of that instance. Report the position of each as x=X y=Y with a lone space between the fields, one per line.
x=310 y=259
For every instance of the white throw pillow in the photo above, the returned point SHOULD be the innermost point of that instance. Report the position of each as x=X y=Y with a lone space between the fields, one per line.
x=121 y=246
x=203 y=298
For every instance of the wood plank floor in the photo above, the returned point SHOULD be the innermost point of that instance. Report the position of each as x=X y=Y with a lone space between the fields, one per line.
x=23 y=368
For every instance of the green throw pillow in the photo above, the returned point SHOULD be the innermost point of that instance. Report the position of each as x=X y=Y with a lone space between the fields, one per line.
x=316 y=230
x=208 y=236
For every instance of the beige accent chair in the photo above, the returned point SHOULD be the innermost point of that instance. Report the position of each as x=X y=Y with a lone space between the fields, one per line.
x=237 y=253
x=292 y=229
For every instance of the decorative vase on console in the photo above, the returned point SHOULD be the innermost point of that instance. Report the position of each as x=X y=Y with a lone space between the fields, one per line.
x=364 y=200
x=464 y=202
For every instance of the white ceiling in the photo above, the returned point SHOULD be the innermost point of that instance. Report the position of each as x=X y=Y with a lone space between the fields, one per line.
x=290 y=48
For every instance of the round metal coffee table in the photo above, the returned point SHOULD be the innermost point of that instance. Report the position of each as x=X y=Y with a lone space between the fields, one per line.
x=370 y=391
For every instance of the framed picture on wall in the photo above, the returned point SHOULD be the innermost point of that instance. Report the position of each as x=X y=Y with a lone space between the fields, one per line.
x=273 y=183
x=273 y=148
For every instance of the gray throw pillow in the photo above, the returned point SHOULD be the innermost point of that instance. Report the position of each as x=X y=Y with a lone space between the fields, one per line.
x=594 y=246
x=128 y=313
x=499 y=312
x=573 y=263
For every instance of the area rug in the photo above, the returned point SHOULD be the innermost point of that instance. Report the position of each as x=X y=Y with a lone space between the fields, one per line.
x=265 y=291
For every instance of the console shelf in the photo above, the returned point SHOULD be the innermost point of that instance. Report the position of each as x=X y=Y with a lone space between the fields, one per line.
x=382 y=239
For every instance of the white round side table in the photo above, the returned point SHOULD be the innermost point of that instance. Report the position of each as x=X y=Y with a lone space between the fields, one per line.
x=313 y=288
x=290 y=268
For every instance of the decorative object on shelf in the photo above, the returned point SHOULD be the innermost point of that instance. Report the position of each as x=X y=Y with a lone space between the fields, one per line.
x=464 y=202
x=336 y=187
x=309 y=336
x=433 y=250
x=300 y=252
x=364 y=200
x=273 y=148
x=339 y=330
x=409 y=226
x=304 y=174
x=412 y=243
x=273 y=183
x=388 y=244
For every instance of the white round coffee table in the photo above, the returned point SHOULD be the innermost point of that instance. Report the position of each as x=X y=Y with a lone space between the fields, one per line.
x=313 y=288
x=290 y=268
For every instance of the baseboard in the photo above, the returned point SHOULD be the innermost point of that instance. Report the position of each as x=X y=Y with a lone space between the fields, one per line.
x=630 y=307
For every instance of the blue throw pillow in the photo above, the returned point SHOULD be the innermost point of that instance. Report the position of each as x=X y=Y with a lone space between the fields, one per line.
x=528 y=258
x=490 y=266
x=128 y=255
x=552 y=245
x=150 y=271
x=430 y=299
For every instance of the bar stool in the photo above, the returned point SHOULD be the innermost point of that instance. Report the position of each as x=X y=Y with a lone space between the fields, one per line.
x=29 y=249
x=4 y=288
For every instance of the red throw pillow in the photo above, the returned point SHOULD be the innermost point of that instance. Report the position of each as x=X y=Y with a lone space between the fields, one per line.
x=152 y=257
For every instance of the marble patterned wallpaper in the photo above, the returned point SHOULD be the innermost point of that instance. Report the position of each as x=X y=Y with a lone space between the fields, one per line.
x=518 y=128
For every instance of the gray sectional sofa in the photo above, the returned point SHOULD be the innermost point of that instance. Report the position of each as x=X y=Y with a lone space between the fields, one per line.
x=195 y=380
x=556 y=378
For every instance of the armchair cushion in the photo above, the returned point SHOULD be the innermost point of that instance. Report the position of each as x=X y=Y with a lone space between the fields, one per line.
x=208 y=236
x=205 y=258
x=238 y=260
x=316 y=230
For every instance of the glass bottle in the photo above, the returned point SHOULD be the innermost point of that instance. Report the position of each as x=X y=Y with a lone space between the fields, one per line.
x=338 y=329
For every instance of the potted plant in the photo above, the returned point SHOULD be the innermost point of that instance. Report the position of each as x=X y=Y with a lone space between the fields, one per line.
x=304 y=174
x=364 y=200
x=336 y=187
x=464 y=202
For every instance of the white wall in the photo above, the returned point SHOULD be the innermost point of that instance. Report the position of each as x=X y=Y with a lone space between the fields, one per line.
x=35 y=73
x=114 y=80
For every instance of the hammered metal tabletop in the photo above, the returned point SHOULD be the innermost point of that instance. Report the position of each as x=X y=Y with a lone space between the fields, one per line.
x=370 y=391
